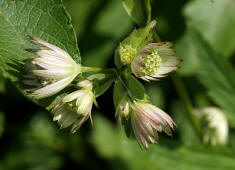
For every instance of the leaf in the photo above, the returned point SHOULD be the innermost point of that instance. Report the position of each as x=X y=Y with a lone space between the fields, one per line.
x=136 y=89
x=138 y=10
x=44 y=19
x=215 y=21
x=102 y=81
x=118 y=93
x=217 y=75
x=111 y=143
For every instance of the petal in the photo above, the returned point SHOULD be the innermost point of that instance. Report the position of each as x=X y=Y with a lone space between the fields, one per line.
x=52 y=89
x=53 y=74
x=56 y=49
x=72 y=96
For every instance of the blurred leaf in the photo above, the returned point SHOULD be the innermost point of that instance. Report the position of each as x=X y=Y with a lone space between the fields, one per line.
x=138 y=10
x=2 y=84
x=215 y=21
x=106 y=30
x=2 y=123
x=35 y=147
x=217 y=75
x=80 y=18
x=155 y=94
x=45 y=19
x=184 y=126
x=111 y=143
x=185 y=49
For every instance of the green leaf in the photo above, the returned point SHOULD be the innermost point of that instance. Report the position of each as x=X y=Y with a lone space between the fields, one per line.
x=138 y=10
x=111 y=143
x=118 y=93
x=215 y=21
x=44 y=19
x=102 y=81
x=217 y=75
x=135 y=87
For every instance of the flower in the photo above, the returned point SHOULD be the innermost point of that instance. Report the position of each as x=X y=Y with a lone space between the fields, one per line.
x=75 y=108
x=149 y=60
x=214 y=125
x=51 y=71
x=146 y=120
x=155 y=61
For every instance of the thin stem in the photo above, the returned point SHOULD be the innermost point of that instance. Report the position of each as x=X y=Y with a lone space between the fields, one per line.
x=92 y=69
x=124 y=85
x=181 y=90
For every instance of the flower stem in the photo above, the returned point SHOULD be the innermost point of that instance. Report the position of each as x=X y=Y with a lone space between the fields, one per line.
x=180 y=88
x=91 y=69
x=125 y=86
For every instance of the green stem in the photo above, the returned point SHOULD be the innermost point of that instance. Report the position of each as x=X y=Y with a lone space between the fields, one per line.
x=181 y=90
x=92 y=69
x=124 y=85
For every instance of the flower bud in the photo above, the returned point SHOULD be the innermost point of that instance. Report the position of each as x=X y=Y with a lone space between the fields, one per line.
x=214 y=126
x=123 y=109
x=75 y=108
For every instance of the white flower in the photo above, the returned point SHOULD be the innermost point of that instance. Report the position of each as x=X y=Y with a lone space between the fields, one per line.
x=75 y=108
x=147 y=120
x=51 y=71
x=155 y=61
x=214 y=126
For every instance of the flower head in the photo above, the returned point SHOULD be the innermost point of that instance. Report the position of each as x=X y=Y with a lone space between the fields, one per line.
x=75 y=108
x=146 y=120
x=154 y=61
x=51 y=71
x=148 y=60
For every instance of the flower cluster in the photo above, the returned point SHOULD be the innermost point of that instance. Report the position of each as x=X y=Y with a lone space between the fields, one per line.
x=49 y=73
x=53 y=69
